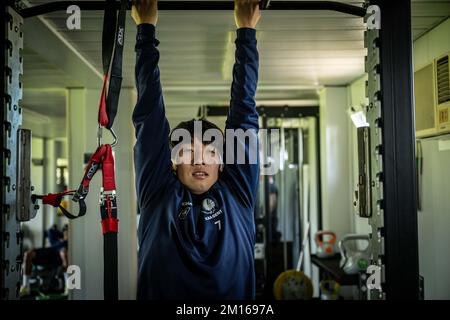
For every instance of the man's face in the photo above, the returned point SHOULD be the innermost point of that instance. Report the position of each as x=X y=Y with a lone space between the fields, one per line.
x=198 y=166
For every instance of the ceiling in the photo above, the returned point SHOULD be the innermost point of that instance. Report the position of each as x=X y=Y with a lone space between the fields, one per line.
x=299 y=52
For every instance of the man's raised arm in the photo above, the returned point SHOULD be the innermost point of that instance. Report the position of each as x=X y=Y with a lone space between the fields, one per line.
x=242 y=115
x=151 y=151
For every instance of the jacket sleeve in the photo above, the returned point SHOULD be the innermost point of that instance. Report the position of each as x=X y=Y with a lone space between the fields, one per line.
x=151 y=151
x=242 y=122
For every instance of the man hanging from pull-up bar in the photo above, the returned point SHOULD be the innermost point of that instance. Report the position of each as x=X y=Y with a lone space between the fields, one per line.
x=196 y=231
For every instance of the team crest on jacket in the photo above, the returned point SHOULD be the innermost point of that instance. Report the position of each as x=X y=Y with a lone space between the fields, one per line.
x=208 y=206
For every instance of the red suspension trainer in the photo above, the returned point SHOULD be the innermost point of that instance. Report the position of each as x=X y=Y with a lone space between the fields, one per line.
x=104 y=158
x=112 y=50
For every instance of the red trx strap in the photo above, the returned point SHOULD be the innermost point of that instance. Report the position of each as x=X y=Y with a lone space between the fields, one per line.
x=108 y=211
x=112 y=42
x=103 y=156
x=54 y=199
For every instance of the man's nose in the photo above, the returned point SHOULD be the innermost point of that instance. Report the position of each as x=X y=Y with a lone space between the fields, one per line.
x=198 y=158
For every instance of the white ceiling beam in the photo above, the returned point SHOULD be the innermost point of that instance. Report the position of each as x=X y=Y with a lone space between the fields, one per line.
x=41 y=37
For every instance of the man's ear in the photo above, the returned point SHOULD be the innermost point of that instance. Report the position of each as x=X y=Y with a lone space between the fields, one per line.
x=221 y=168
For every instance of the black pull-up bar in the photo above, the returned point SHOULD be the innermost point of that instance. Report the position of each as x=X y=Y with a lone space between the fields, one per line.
x=200 y=5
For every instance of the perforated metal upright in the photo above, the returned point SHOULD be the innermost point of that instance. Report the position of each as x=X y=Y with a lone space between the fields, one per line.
x=375 y=161
x=11 y=119
x=392 y=152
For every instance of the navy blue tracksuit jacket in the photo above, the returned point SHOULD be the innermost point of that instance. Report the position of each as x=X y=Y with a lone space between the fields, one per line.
x=193 y=247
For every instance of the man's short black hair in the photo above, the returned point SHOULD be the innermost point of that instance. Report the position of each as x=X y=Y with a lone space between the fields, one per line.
x=189 y=126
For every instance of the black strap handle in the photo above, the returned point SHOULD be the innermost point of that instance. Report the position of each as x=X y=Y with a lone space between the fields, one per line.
x=115 y=81
x=109 y=29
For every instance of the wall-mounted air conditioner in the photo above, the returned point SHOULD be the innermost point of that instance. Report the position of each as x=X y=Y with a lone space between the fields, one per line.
x=432 y=98
x=442 y=87
x=424 y=101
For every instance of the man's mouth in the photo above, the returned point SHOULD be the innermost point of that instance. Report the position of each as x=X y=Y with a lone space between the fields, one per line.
x=200 y=175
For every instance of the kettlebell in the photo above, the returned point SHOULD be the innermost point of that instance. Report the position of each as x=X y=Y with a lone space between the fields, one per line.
x=325 y=242
x=354 y=261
